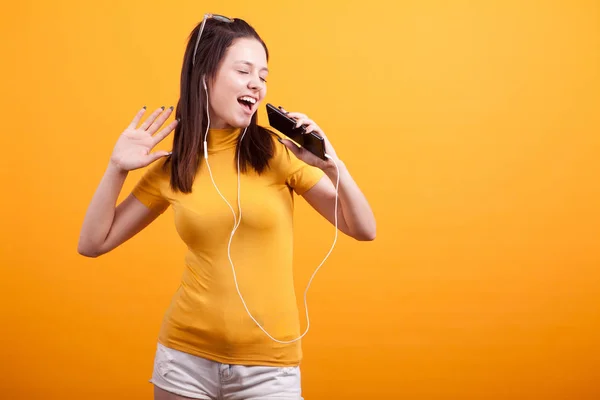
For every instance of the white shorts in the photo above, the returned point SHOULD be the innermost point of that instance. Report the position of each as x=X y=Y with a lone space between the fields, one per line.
x=192 y=376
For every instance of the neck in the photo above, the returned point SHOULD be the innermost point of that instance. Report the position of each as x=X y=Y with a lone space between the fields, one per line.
x=216 y=122
x=223 y=138
x=219 y=124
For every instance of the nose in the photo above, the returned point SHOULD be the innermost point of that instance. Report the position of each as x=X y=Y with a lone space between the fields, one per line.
x=255 y=83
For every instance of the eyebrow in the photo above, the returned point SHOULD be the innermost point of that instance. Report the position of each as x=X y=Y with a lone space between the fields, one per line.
x=252 y=65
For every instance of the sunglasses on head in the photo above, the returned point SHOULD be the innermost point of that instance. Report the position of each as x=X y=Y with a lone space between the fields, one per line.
x=218 y=17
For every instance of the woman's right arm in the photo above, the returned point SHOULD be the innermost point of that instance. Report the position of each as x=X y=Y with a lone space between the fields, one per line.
x=106 y=226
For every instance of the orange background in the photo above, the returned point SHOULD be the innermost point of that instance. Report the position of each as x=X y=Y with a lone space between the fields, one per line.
x=472 y=127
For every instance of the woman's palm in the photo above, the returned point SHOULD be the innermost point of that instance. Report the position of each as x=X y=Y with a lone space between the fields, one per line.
x=133 y=148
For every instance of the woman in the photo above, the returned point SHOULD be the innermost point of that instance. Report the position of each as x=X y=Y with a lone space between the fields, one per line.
x=214 y=343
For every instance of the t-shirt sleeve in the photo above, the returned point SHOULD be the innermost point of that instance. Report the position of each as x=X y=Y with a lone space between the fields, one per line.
x=149 y=189
x=301 y=176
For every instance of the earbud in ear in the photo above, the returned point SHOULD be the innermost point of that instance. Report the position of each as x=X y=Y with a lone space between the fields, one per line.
x=204 y=81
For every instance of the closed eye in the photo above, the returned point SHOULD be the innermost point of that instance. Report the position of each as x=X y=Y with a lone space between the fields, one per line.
x=246 y=73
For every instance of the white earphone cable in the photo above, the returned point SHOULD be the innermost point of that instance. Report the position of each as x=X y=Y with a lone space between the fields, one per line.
x=238 y=221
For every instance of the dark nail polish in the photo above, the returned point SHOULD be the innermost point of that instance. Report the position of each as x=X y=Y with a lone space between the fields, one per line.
x=171 y=108
x=163 y=107
x=144 y=107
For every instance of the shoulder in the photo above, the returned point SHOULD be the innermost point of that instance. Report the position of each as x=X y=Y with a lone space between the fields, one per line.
x=295 y=172
x=161 y=167
x=159 y=170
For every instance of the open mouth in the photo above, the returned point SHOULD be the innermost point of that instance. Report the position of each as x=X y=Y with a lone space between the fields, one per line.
x=247 y=102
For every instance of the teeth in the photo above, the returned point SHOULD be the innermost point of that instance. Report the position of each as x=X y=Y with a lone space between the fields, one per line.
x=248 y=99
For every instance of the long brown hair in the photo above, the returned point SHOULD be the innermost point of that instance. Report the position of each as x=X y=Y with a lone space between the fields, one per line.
x=257 y=147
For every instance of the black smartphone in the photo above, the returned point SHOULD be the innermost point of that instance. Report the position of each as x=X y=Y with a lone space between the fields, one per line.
x=286 y=125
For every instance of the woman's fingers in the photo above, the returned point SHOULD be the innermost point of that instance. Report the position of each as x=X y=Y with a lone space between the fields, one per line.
x=297 y=115
x=292 y=147
x=312 y=127
x=151 y=118
x=302 y=119
x=160 y=120
x=164 y=132
x=157 y=154
x=309 y=126
x=136 y=120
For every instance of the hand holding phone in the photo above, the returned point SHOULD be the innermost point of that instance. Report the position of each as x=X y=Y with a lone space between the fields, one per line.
x=310 y=141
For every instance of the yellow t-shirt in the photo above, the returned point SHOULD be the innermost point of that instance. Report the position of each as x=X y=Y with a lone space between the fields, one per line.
x=206 y=316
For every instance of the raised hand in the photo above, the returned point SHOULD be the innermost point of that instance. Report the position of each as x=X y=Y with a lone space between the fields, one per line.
x=133 y=148
x=303 y=154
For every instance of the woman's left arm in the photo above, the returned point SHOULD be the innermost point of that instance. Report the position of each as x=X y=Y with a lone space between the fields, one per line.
x=355 y=217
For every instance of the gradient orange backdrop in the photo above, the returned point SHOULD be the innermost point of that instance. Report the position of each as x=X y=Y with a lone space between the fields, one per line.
x=472 y=127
